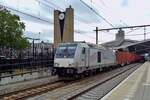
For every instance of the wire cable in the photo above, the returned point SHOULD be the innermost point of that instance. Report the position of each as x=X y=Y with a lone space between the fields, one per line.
x=138 y=34
x=97 y=13
x=133 y=30
x=21 y=12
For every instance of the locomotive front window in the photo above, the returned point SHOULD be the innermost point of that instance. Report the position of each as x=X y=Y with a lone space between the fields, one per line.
x=66 y=51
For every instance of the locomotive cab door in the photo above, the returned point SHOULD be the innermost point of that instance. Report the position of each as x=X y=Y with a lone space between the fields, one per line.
x=84 y=57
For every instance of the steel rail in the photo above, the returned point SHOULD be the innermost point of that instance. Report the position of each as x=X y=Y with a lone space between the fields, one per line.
x=103 y=82
x=26 y=93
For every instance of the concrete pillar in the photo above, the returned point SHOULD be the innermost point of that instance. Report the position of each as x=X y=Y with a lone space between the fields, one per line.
x=57 y=33
x=63 y=26
x=68 y=35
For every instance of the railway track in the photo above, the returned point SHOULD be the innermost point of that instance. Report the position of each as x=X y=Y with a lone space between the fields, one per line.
x=92 y=88
x=99 y=90
x=23 y=94
x=68 y=90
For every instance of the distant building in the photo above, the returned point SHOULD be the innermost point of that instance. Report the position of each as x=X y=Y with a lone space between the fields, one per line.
x=43 y=49
x=39 y=48
x=119 y=40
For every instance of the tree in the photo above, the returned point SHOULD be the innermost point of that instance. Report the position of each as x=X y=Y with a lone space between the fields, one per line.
x=11 y=31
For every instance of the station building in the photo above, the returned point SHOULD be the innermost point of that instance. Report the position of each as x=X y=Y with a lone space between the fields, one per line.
x=119 y=40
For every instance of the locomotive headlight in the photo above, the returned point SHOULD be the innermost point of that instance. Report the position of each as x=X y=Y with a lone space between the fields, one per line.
x=56 y=64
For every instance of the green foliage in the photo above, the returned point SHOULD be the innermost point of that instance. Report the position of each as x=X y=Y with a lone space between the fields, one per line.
x=11 y=30
x=21 y=43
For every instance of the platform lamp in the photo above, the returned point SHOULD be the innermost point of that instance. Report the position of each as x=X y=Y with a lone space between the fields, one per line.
x=33 y=39
x=42 y=43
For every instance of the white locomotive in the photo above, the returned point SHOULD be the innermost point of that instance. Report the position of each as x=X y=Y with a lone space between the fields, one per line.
x=79 y=58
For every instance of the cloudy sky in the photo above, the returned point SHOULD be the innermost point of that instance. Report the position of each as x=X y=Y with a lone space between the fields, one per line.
x=38 y=17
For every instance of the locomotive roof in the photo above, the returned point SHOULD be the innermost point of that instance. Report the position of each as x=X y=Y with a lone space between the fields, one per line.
x=91 y=45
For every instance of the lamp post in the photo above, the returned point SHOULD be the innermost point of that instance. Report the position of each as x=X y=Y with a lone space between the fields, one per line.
x=33 y=39
x=42 y=45
x=42 y=42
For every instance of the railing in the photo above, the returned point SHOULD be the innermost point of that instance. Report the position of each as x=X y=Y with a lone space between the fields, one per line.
x=25 y=72
x=15 y=69
x=32 y=63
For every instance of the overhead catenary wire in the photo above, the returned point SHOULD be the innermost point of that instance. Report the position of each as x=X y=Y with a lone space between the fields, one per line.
x=78 y=16
x=125 y=32
x=127 y=27
x=97 y=14
x=41 y=19
x=57 y=7
x=21 y=12
x=133 y=30
x=138 y=34
x=134 y=34
x=53 y=4
x=77 y=31
x=24 y=13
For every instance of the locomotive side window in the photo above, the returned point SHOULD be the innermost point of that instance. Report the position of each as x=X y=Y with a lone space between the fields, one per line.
x=83 y=50
x=98 y=56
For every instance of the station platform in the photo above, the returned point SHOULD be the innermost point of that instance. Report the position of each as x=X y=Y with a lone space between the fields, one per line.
x=135 y=87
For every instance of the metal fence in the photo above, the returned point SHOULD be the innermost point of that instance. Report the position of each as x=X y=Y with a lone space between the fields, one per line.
x=31 y=64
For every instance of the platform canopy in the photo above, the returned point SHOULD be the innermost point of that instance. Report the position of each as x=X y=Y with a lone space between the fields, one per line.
x=140 y=47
